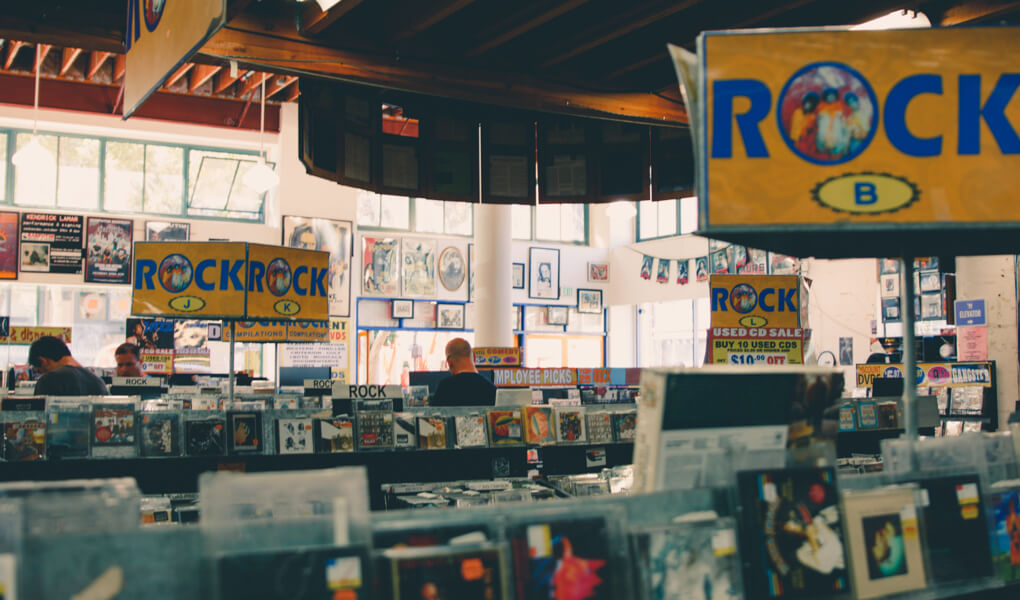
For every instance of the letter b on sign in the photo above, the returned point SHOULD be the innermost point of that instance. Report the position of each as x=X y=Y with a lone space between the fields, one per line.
x=865 y=193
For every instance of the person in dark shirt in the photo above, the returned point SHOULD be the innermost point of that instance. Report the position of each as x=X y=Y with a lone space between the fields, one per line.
x=465 y=387
x=61 y=374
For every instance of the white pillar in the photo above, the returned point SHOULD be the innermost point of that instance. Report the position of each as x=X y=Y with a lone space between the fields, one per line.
x=493 y=279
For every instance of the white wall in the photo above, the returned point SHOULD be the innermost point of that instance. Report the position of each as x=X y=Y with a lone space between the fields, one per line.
x=627 y=286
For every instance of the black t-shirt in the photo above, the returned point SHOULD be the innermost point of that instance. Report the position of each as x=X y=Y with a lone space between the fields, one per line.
x=465 y=389
x=69 y=380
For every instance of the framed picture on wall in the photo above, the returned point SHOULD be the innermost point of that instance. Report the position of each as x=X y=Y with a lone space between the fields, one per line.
x=544 y=271
x=108 y=250
x=449 y=316
x=589 y=301
x=518 y=269
x=890 y=285
x=326 y=235
x=8 y=245
x=402 y=309
x=556 y=315
x=598 y=272
x=167 y=231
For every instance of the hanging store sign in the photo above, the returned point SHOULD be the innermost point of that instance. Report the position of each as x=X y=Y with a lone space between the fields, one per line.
x=161 y=36
x=269 y=332
x=27 y=335
x=931 y=374
x=287 y=282
x=754 y=346
x=755 y=301
x=498 y=357
x=534 y=377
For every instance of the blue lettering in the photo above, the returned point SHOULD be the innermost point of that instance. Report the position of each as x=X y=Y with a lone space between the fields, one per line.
x=786 y=298
x=993 y=112
x=298 y=272
x=319 y=281
x=896 y=104
x=865 y=193
x=761 y=299
x=719 y=296
x=144 y=271
x=229 y=273
x=200 y=280
x=723 y=94
x=255 y=272
x=134 y=24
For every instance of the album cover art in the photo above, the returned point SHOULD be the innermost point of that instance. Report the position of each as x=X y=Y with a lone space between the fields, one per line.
x=470 y=431
x=433 y=534
x=793 y=537
x=504 y=427
x=161 y=434
x=245 y=432
x=625 y=426
x=68 y=434
x=690 y=560
x=313 y=574
x=294 y=436
x=24 y=440
x=448 y=572
x=571 y=426
x=405 y=430
x=955 y=530
x=564 y=558
x=335 y=435
x=600 y=427
x=1005 y=507
x=432 y=433
x=375 y=428
x=538 y=425
x=113 y=425
x=207 y=437
x=884 y=541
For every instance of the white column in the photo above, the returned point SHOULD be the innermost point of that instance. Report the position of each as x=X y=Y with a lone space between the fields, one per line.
x=493 y=279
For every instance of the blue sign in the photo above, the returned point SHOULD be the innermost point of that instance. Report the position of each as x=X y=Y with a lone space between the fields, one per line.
x=971 y=313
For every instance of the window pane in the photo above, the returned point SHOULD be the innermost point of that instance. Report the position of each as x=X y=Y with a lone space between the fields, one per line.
x=123 y=184
x=573 y=223
x=243 y=200
x=667 y=217
x=521 y=216
x=212 y=184
x=211 y=180
x=585 y=352
x=3 y=167
x=543 y=351
x=368 y=209
x=688 y=214
x=36 y=185
x=547 y=222
x=24 y=304
x=78 y=178
x=648 y=217
x=164 y=179
x=395 y=212
x=459 y=218
x=428 y=215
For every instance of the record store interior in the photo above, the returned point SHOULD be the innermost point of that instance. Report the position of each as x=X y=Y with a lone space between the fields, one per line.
x=534 y=300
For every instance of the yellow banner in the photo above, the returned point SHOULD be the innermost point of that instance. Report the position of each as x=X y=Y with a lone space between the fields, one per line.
x=931 y=374
x=491 y=357
x=194 y=279
x=752 y=346
x=27 y=335
x=314 y=331
x=860 y=127
x=755 y=301
x=287 y=282
x=257 y=331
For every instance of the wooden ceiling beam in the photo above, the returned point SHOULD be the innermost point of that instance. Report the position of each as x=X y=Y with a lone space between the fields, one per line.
x=253 y=82
x=68 y=57
x=224 y=80
x=85 y=36
x=535 y=16
x=973 y=11
x=201 y=74
x=96 y=61
x=176 y=75
x=41 y=52
x=119 y=66
x=293 y=93
x=13 y=47
x=314 y=20
x=474 y=85
x=279 y=83
x=605 y=32
x=435 y=11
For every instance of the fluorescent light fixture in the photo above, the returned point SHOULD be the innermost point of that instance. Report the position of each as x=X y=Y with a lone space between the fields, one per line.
x=261 y=177
x=325 y=5
x=621 y=209
x=898 y=19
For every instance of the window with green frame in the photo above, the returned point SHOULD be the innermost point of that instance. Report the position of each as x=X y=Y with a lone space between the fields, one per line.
x=665 y=218
x=129 y=176
x=566 y=223
x=380 y=211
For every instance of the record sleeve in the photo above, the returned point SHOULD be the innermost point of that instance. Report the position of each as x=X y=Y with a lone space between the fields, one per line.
x=24 y=440
x=313 y=574
x=405 y=430
x=954 y=528
x=294 y=436
x=792 y=535
x=884 y=541
x=448 y=572
x=563 y=558
x=375 y=425
x=600 y=427
x=335 y=435
x=470 y=430
x=68 y=434
x=689 y=560
x=504 y=427
x=432 y=433
x=113 y=425
x=538 y=425
x=1005 y=508
x=571 y=429
x=161 y=434
x=625 y=425
x=244 y=430
x=206 y=437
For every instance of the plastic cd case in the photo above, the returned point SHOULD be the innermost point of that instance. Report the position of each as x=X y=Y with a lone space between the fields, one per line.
x=405 y=430
x=954 y=528
x=1004 y=507
x=625 y=425
x=113 y=425
x=689 y=560
x=884 y=541
x=244 y=432
x=375 y=425
x=539 y=427
x=504 y=427
x=470 y=431
x=68 y=431
x=205 y=437
x=600 y=427
x=24 y=440
x=161 y=434
x=571 y=427
x=792 y=535
x=432 y=433
x=442 y=572
x=315 y=573
x=334 y=435
x=294 y=436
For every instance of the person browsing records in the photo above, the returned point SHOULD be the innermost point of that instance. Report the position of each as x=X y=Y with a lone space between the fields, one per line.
x=129 y=360
x=464 y=387
x=61 y=374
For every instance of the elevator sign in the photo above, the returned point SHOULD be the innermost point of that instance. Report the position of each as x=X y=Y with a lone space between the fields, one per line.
x=970 y=313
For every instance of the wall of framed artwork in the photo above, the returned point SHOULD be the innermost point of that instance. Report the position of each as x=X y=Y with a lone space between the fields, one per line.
x=517 y=272
x=452 y=268
x=544 y=273
x=418 y=267
x=402 y=309
x=557 y=315
x=326 y=235
x=450 y=315
x=589 y=301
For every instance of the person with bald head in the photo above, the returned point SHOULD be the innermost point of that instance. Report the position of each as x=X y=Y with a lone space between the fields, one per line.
x=464 y=387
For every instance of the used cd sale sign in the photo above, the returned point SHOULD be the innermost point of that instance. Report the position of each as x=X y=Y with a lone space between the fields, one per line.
x=756 y=346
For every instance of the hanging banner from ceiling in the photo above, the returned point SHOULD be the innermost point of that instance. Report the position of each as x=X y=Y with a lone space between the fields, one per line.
x=161 y=36
x=287 y=282
x=755 y=301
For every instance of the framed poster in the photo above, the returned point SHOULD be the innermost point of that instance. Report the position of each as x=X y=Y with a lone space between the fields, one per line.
x=418 y=268
x=701 y=268
x=108 y=250
x=556 y=315
x=402 y=309
x=326 y=235
x=890 y=285
x=589 y=301
x=518 y=271
x=598 y=271
x=449 y=316
x=452 y=268
x=167 y=231
x=51 y=243
x=380 y=264
x=8 y=245
x=544 y=269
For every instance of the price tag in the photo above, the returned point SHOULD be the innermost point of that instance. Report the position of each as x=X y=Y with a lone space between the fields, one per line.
x=724 y=542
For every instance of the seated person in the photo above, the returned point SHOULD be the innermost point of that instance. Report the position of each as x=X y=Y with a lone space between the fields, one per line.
x=465 y=387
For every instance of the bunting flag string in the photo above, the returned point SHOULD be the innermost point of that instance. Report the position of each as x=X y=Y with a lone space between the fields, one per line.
x=721 y=259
